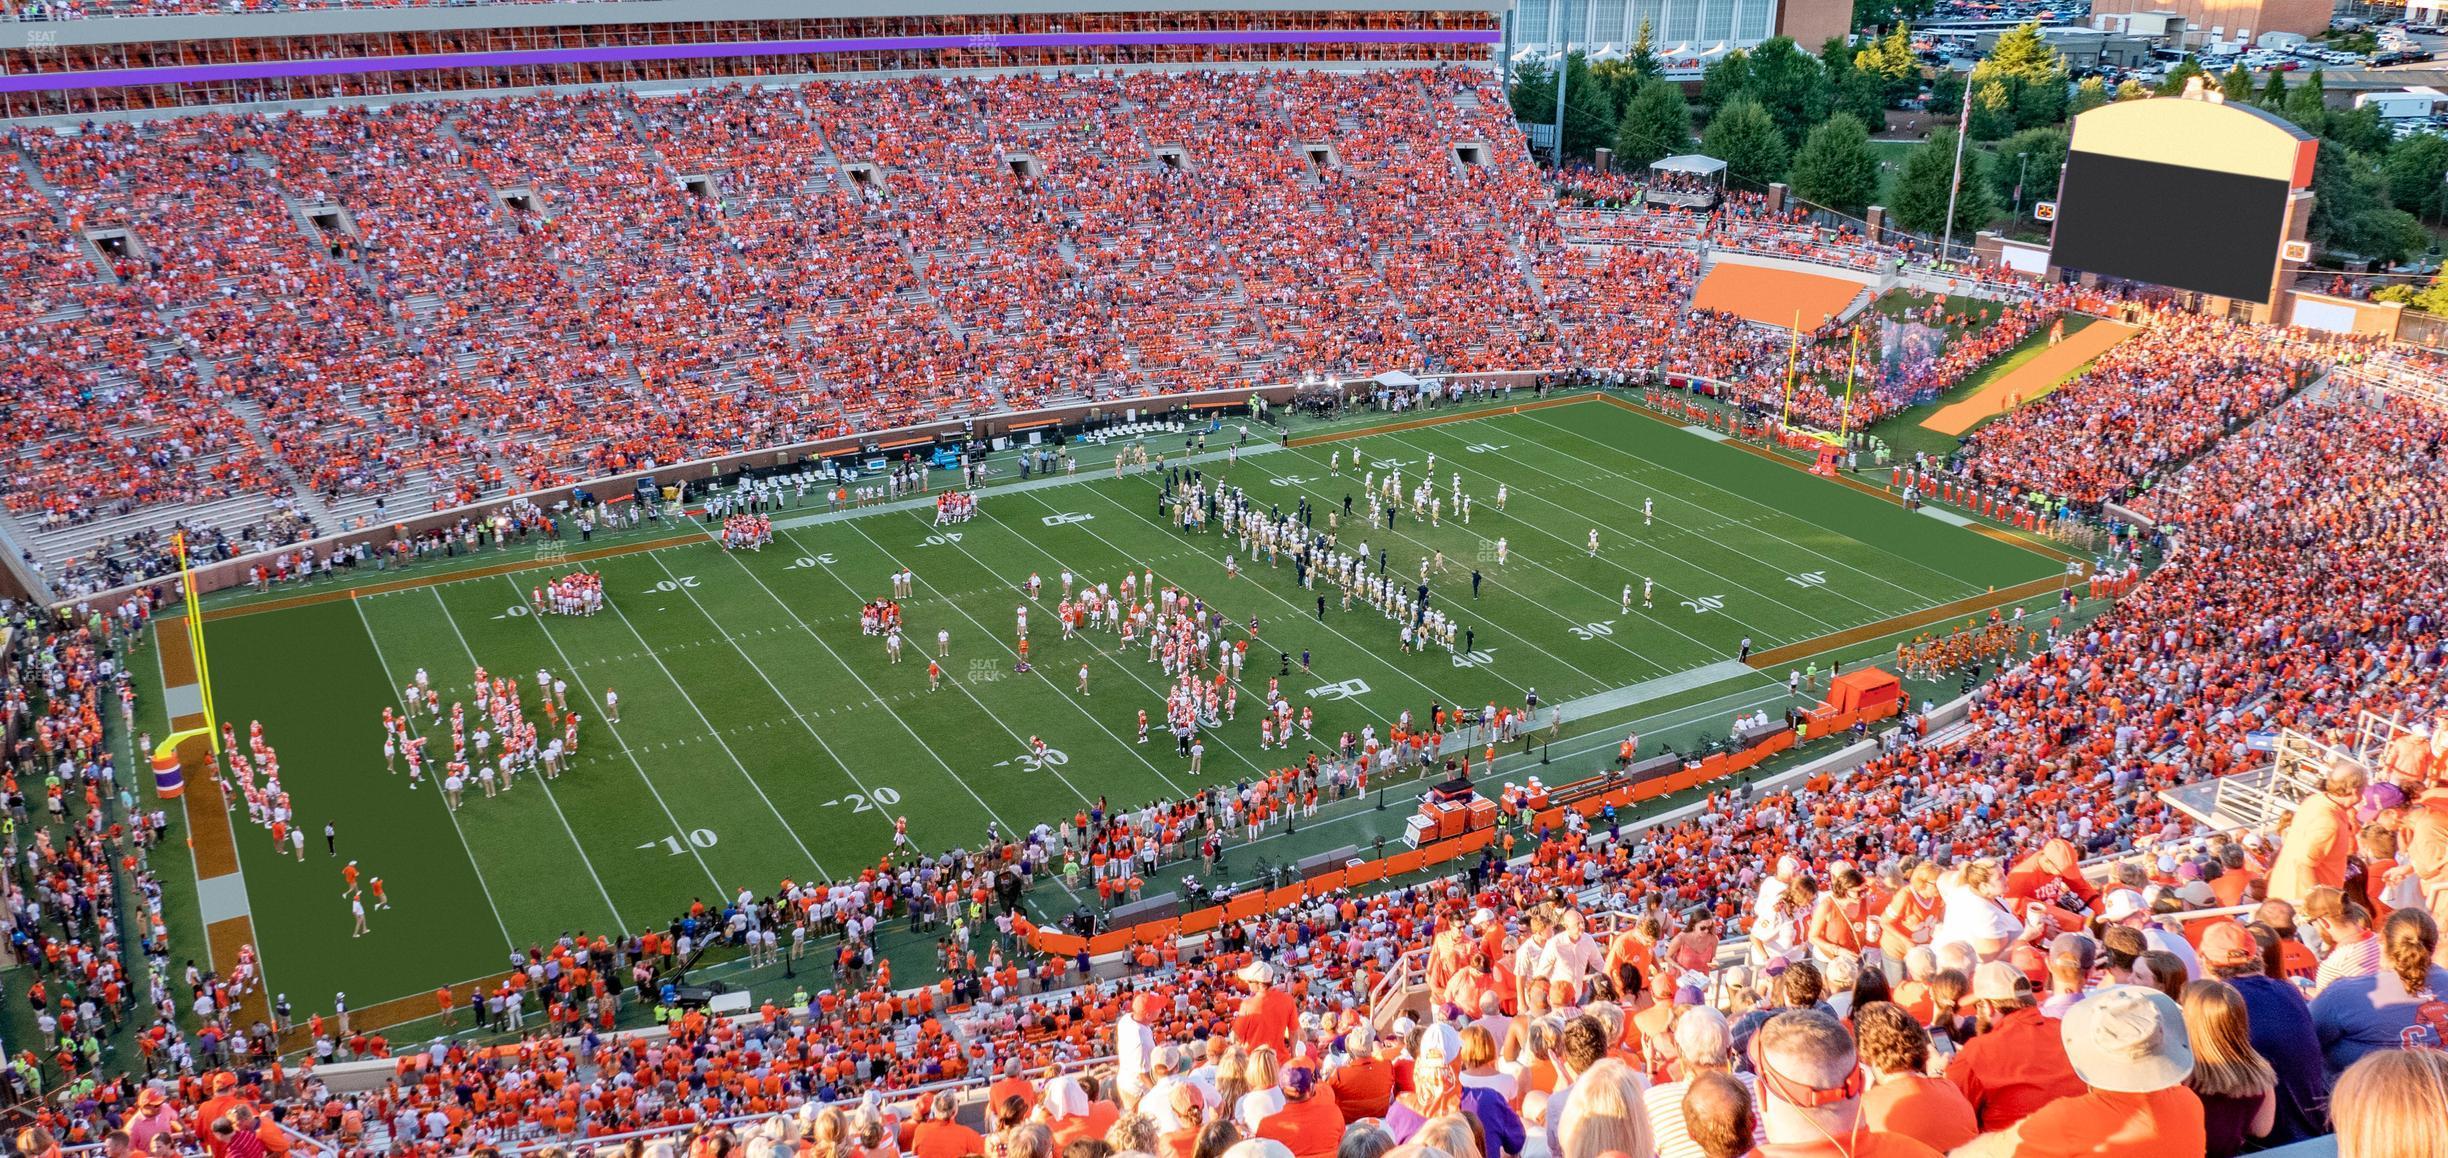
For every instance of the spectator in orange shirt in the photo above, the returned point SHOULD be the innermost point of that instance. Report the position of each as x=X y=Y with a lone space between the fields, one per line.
x=1266 y=1016
x=2319 y=838
x=1811 y=1085
x=1902 y=1097
x=2018 y=1063
x=940 y=1135
x=2128 y=1044
x=1363 y=1086
x=1308 y=1125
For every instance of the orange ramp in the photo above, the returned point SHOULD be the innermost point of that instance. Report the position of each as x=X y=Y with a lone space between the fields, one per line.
x=2030 y=380
x=1774 y=297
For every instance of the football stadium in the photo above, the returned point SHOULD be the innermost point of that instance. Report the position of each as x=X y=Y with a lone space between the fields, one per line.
x=1070 y=580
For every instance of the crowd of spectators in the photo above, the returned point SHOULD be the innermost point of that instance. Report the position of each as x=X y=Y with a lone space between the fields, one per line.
x=1929 y=916
x=552 y=302
x=2125 y=422
x=276 y=328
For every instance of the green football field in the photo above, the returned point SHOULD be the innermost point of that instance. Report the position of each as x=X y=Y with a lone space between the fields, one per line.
x=763 y=737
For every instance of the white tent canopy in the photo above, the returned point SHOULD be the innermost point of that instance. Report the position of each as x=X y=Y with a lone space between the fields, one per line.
x=1693 y=163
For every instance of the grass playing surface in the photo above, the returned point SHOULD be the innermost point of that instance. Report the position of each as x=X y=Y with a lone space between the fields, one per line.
x=763 y=736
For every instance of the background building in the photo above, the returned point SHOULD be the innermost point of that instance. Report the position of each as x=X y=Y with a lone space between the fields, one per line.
x=1693 y=25
x=2231 y=19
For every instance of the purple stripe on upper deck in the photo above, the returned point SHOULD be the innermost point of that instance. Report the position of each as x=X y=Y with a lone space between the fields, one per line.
x=273 y=70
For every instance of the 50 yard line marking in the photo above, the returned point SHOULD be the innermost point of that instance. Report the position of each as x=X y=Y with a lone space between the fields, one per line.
x=626 y=750
x=391 y=680
x=542 y=781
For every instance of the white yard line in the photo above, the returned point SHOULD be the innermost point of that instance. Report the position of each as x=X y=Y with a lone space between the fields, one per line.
x=879 y=700
x=1907 y=560
x=1685 y=556
x=914 y=641
x=691 y=701
x=391 y=680
x=1129 y=746
x=626 y=750
x=787 y=702
x=1501 y=585
x=1297 y=611
x=540 y=780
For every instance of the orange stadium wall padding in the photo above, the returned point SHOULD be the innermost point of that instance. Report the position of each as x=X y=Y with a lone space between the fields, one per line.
x=1408 y=861
x=1059 y=944
x=1114 y=942
x=1364 y=873
x=1201 y=920
x=1473 y=842
x=1245 y=905
x=1287 y=897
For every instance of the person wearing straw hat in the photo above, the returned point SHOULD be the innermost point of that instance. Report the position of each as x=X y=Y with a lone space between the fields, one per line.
x=2128 y=1044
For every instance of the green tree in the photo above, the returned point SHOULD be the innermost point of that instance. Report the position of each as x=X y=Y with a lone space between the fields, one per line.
x=1922 y=189
x=1533 y=93
x=2022 y=52
x=2274 y=93
x=2237 y=84
x=1992 y=108
x=1791 y=84
x=2361 y=130
x=1891 y=58
x=1726 y=78
x=2430 y=299
x=1863 y=95
x=2185 y=70
x=2033 y=156
x=2089 y=95
x=1836 y=167
x=1946 y=93
x=1644 y=53
x=1618 y=79
x=2351 y=213
x=1656 y=123
x=1747 y=139
x=1589 y=113
x=2307 y=104
x=2415 y=171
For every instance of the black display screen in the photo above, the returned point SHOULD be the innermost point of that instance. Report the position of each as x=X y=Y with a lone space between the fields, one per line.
x=2171 y=225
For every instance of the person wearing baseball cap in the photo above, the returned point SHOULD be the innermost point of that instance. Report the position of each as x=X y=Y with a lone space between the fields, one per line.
x=1309 y=1125
x=2018 y=1063
x=1437 y=1090
x=153 y=1117
x=1135 y=1042
x=1363 y=1085
x=2281 y=1028
x=2128 y=1044
x=1266 y=1014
